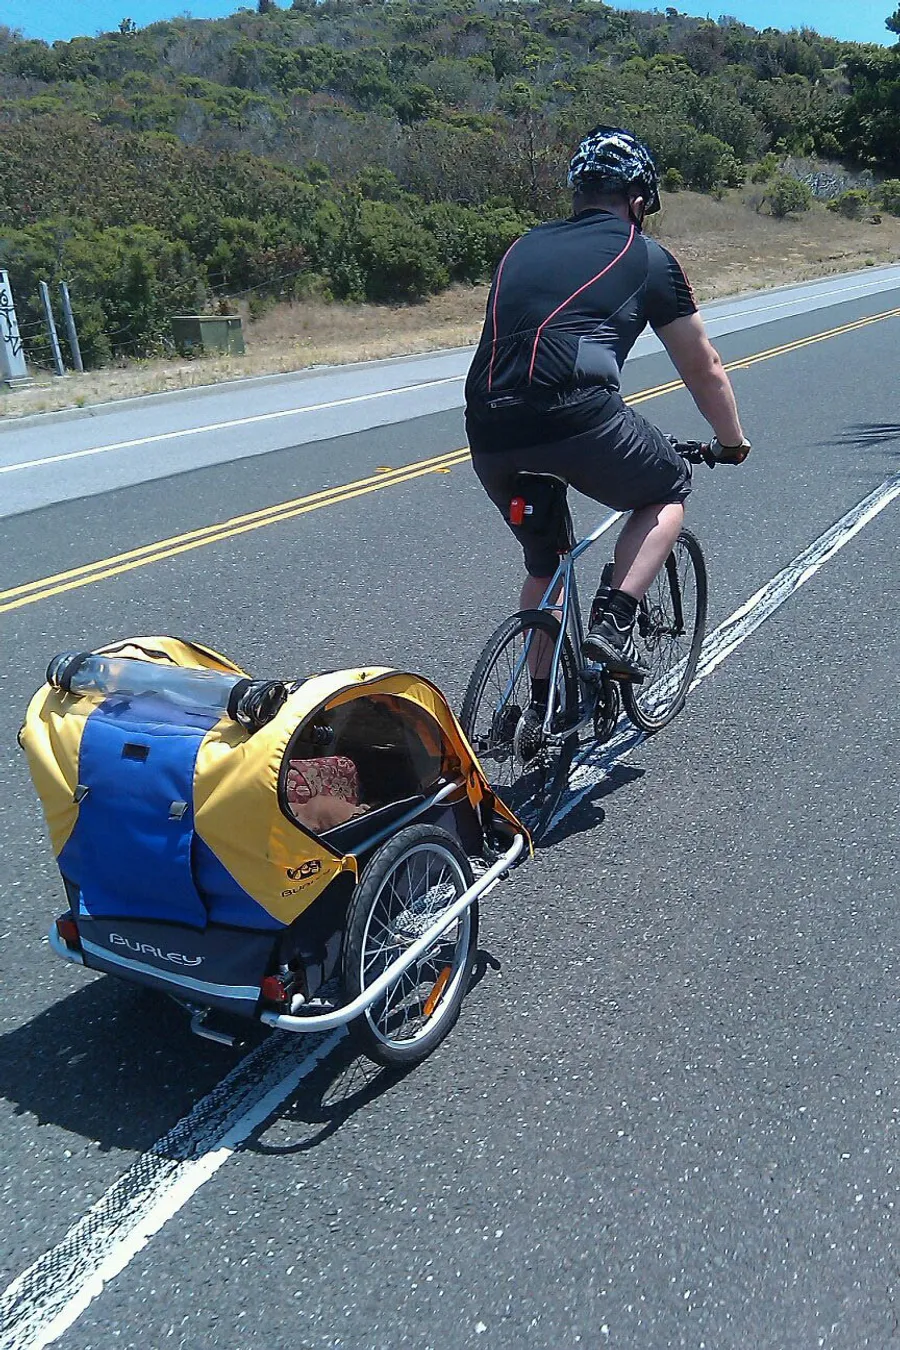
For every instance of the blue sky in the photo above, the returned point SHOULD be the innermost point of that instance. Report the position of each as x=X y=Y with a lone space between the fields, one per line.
x=861 y=20
x=858 y=20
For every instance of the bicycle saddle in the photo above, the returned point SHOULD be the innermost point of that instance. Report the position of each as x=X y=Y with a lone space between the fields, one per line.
x=522 y=480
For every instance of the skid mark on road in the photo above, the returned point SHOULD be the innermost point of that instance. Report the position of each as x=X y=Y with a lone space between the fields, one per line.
x=50 y=1296
x=53 y=1293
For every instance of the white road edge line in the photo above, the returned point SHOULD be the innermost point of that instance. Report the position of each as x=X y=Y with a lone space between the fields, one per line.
x=52 y=1294
x=593 y=766
x=862 y=288
x=226 y=426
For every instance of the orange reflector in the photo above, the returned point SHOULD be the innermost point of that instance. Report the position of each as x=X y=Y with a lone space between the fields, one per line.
x=440 y=985
x=68 y=930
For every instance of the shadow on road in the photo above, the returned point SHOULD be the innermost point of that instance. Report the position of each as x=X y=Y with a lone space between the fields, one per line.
x=870 y=434
x=588 y=813
x=343 y=1084
x=112 y=1063
x=117 y=1065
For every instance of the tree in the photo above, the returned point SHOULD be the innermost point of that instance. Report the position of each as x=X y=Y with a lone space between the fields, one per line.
x=870 y=116
x=892 y=24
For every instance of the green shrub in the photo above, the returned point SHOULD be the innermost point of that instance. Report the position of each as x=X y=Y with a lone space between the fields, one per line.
x=708 y=160
x=257 y=306
x=673 y=180
x=470 y=243
x=765 y=169
x=379 y=185
x=890 y=196
x=789 y=196
x=379 y=253
x=399 y=259
x=851 y=204
x=125 y=283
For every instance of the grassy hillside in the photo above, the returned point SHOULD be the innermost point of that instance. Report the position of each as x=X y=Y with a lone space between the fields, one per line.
x=363 y=151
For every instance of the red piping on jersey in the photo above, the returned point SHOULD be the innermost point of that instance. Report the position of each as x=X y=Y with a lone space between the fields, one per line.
x=494 y=313
x=568 y=301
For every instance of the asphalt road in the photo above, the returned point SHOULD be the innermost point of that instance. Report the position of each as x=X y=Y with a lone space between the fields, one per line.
x=668 y=1114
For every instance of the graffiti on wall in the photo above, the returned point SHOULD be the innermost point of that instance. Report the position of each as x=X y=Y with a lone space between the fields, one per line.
x=9 y=328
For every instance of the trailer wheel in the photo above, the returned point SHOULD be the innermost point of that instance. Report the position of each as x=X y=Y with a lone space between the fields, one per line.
x=405 y=887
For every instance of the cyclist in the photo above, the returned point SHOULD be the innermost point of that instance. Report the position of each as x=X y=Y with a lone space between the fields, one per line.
x=566 y=305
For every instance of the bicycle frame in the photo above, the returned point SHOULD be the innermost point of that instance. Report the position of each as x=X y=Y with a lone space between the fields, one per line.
x=569 y=609
x=591 y=680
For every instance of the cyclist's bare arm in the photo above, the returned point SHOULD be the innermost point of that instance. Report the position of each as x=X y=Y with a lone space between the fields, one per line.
x=700 y=366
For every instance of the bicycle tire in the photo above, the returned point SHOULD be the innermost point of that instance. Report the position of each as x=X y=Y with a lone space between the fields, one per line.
x=532 y=788
x=664 y=630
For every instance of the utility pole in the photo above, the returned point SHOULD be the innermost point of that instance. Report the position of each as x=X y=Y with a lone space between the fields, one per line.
x=71 y=330
x=13 y=370
x=51 y=329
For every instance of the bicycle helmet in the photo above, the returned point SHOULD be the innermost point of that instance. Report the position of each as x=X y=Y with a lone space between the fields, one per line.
x=611 y=158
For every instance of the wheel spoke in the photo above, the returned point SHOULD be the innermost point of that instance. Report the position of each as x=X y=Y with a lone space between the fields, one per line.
x=499 y=693
x=669 y=648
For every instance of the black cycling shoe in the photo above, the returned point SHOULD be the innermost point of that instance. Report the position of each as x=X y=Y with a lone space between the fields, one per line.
x=614 y=647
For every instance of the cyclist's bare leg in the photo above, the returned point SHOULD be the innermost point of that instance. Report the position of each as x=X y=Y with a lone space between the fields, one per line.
x=540 y=652
x=644 y=545
x=533 y=591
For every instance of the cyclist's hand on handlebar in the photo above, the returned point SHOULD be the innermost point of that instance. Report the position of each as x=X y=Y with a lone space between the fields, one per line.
x=728 y=454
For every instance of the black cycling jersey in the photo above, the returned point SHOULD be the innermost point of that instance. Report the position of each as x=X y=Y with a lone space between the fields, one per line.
x=567 y=303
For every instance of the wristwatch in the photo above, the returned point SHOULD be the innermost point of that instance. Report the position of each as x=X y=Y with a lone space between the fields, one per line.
x=729 y=454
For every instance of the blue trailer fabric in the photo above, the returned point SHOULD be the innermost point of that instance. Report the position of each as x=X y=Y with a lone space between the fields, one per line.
x=133 y=852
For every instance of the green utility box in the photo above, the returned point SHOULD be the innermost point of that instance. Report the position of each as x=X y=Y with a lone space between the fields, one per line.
x=197 y=334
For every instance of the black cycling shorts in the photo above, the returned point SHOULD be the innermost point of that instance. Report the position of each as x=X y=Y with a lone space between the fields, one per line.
x=625 y=463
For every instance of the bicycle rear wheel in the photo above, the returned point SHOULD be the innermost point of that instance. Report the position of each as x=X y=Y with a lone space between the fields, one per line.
x=668 y=634
x=528 y=772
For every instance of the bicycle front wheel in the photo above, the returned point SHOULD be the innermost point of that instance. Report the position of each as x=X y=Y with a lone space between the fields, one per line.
x=525 y=768
x=668 y=634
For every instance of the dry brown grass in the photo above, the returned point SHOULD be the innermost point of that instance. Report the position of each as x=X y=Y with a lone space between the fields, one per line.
x=727 y=248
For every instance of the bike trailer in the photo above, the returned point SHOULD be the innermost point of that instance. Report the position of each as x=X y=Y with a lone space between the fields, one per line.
x=302 y=853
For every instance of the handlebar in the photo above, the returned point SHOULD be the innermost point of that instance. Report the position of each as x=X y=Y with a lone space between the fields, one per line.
x=698 y=452
x=695 y=452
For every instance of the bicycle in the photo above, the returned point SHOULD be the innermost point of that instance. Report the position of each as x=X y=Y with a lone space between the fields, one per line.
x=529 y=772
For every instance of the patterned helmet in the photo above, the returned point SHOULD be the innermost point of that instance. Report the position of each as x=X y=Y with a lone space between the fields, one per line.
x=609 y=156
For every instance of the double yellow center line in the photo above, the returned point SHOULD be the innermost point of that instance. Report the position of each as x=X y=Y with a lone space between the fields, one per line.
x=30 y=592
x=746 y=362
